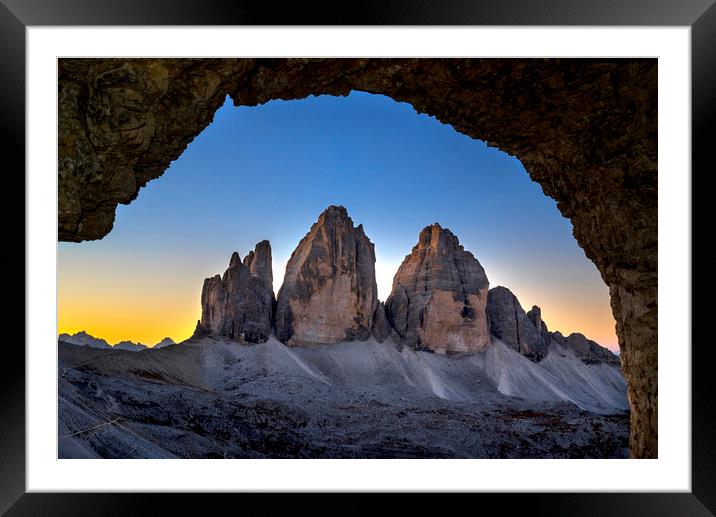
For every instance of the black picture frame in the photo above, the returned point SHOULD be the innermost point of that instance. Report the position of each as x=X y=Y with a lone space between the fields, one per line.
x=16 y=15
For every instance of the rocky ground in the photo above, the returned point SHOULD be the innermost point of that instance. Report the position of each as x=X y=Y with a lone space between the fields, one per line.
x=215 y=398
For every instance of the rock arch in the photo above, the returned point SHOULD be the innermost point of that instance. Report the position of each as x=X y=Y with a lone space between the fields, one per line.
x=584 y=129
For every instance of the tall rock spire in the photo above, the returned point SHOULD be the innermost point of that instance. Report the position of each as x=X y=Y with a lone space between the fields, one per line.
x=258 y=262
x=329 y=293
x=518 y=330
x=239 y=304
x=439 y=296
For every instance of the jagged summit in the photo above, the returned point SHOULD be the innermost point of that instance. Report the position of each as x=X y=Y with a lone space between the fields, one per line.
x=438 y=238
x=336 y=215
x=439 y=295
x=235 y=259
x=334 y=211
x=239 y=304
x=514 y=327
x=590 y=352
x=258 y=262
x=82 y=338
x=167 y=341
x=528 y=334
x=129 y=346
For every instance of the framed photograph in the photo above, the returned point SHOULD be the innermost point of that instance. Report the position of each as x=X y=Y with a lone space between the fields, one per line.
x=424 y=252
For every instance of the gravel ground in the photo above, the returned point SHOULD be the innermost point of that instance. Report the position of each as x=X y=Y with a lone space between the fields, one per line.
x=212 y=398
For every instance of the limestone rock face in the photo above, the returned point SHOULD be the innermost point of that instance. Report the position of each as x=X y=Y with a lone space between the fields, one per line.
x=381 y=327
x=329 y=293
x=510 y=324
x=239 y=304
x=590 y=352
x=258 y=262
x=439 y=296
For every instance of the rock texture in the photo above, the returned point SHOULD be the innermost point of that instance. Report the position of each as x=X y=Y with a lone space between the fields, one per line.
x=585 y=130
x=239 y=304
x=381 y=327
x=535 y=316
x=329 y=293
x=590 y=352
x=258 y=262
x=523 y=332
x=439 y=295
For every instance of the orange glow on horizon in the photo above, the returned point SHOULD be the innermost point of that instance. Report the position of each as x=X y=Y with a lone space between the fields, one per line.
x=142 y=306
x=576 y=312
x=121 y=320
x=153 y=308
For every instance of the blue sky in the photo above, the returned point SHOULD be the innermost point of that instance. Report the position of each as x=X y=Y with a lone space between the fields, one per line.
x=266 y=172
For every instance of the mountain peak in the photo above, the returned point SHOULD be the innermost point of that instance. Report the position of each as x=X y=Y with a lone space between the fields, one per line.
x=329 y=292
x=235 y=259
x=258 y=262
x=238 y=304
x=438 y=238
x=524 y=332
x=82 y=338
x=334 y=214
x=338 y=210
x=439 y=295
x=167 y=341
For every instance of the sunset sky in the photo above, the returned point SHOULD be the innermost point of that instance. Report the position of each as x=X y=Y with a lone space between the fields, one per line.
x=266 y=172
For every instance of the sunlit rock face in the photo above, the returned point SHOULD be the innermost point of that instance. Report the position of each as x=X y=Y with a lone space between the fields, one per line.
x=518 y=330
x=329 y=293
x=239 y=304
x=439 y=296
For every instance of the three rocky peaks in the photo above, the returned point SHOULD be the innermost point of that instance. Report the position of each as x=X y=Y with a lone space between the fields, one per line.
x=440 y=298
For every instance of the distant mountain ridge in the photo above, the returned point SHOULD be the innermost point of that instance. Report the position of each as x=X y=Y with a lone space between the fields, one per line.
x=82 y=338
x=129 y=345
x=167 y=341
